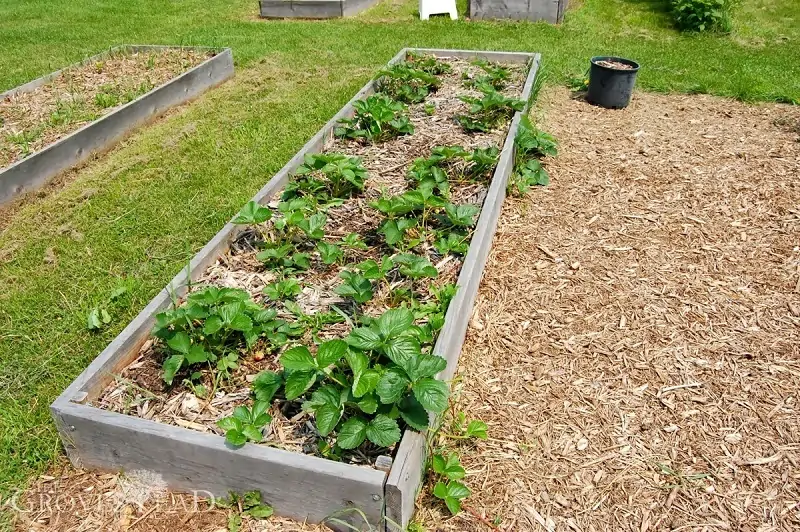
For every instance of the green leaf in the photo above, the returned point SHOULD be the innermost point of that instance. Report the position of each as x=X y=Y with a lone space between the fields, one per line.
x=298 y=359
x=440 y=490
x=368 y=404
x=171 y=367
x=330 y=352
x=235 y=438
x=253 y=213
x=432 y=394
x=253 y=433
x=454 y=505
x=180 y=342
x=457 y=490
x=352 y=433
x=392 y=385
x=449 y=467
x=93 y=321
x=413 y=413
x=403 y=350
x=327 y=417
x=242 y=413
x=395 y=321
x=365 y=382
x=298 y=382
x=197 y=354
x=383 y=431
x=266 y=384
x=229 y=423
x=364 y=339
x=357 y=361
x=477 y=429
x=262 y=511
x=212 y=325
x=425 y=366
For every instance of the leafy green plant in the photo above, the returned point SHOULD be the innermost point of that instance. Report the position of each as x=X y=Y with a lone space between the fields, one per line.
x=526 y=175
x=284 y=289
x=316 y=321
x=372 y=270
x=252 y=213
x=327 y=175
x=482 y=162
x=284 y=258
x=355 y=286
x=430 y=109
x=106 y=98
x=486 y=112
x=452 y=243
x=451 y=492
x=248 y=505
x=329 y=253
x=246 y=424
x=496 y=76
x=703 y=15
x=376 y=119
x=380 y=374
x=353 y=241
x=428 y=63
x=414 y=266
x=211 y=326
x=461 y=216
x=405 y=83
x=532 y=142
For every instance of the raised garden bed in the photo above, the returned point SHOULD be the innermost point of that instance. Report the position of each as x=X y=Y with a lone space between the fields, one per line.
x=120 y=415
x=57 y=121
x=313 y=8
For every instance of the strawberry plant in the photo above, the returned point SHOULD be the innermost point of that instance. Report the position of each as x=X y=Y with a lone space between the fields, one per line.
x=405 y=83
x=327 y=175
x=356 y=286
x=247 y=505
x=376 y=119
x=461 y=216
x=370 y=269
x=329 y=253
x=285 y=289
x=353 y=241
x=486 y=112
x=428 y=63
x=246 y=424
x=415 y=267
x=482 y=162
x=526 y=175
x=211 y=327
x=284 y=258
x=452 y=243
x=253 y=214
x=532 y=142
x=496 y=76
x=376 y=376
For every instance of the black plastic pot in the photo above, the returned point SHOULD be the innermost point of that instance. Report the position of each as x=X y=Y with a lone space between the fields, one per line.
x=611 y=87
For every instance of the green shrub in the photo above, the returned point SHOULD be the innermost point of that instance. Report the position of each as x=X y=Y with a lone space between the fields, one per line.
x=702 y=15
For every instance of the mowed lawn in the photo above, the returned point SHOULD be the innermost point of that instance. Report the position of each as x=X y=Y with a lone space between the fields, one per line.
x=136 y=215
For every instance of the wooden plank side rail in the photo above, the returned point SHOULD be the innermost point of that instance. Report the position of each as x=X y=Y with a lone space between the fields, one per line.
x=297 y=485
x=39 y=168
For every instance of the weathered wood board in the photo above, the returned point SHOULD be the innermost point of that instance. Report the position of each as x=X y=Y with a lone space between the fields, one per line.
x=39 y=168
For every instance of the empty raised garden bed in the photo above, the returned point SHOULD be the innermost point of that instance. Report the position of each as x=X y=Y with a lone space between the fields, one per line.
x=55 y=122
x=313 y=8
x=119 y=415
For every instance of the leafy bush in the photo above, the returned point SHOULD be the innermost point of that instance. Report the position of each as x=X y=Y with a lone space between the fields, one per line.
x=702 y=15
x=211 y=327
x=357 y=389
x=530 y=145
x=486 y=112
x=405 y=83
x=324 y=176
x=376 y=119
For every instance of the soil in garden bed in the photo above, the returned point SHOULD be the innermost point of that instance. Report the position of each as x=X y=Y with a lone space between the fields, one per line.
x=140 y=390
x=32 y=120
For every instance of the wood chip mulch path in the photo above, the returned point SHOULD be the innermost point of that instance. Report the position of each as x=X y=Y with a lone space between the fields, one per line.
x=635 y=348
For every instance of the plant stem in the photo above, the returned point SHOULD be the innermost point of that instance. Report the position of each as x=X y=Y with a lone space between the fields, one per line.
x=477 y=516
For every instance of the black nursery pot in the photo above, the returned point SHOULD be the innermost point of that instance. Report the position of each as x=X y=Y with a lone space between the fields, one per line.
x=611 y=87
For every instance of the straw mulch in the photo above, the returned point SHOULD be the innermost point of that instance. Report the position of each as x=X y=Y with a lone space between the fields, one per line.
x=635 y=348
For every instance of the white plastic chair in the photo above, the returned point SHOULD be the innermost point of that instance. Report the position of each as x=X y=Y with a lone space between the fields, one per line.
x=435 y=7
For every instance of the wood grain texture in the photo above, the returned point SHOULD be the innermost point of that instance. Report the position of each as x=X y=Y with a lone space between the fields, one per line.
x=35 y=171
x=299 y=486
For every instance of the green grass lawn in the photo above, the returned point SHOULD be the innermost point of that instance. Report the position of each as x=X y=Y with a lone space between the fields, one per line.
x=136 y=215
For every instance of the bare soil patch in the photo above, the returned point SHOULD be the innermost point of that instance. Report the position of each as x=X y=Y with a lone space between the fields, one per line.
x=635 y=348
x=32 y=120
